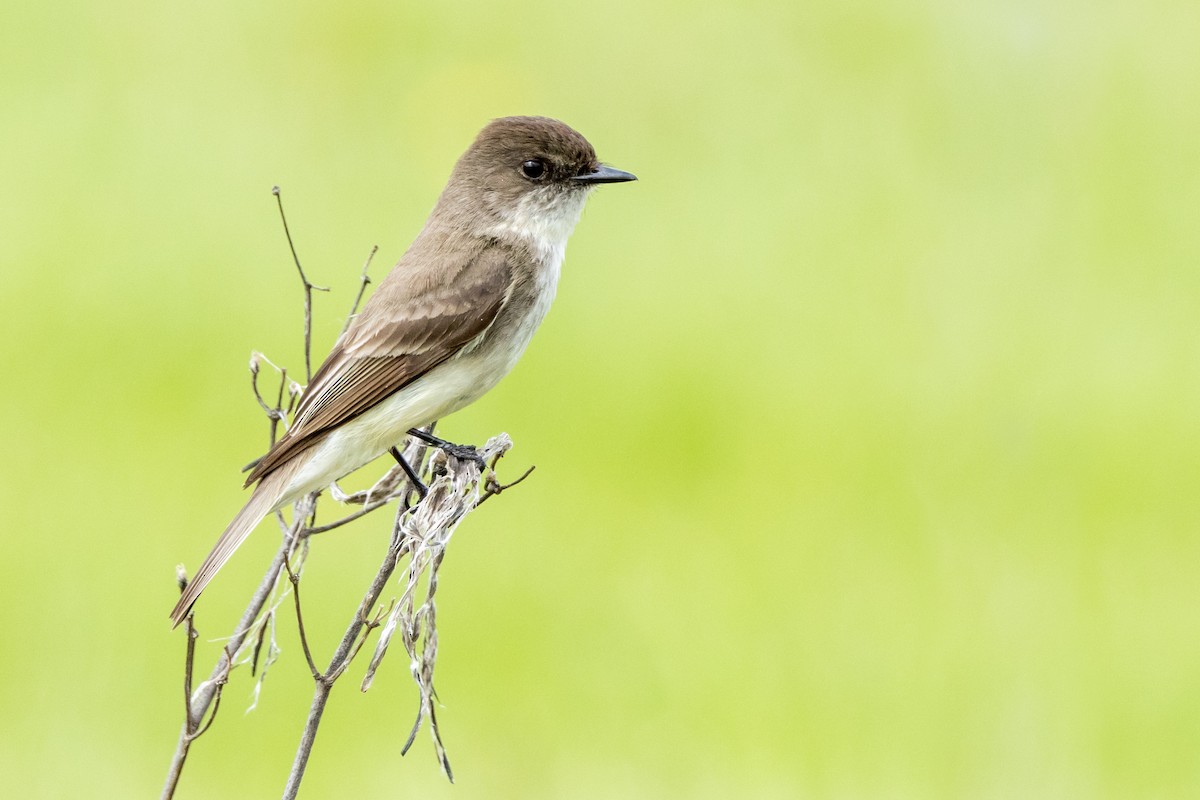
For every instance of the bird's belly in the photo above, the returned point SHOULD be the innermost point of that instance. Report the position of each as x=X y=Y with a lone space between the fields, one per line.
x=443 y=390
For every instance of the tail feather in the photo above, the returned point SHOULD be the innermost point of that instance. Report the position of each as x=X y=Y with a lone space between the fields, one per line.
x=267 y=496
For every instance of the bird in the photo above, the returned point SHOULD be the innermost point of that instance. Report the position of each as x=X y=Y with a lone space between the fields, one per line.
x=450 y=319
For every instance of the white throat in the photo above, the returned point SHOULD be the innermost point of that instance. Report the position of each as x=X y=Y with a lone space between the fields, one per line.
x=543 y=221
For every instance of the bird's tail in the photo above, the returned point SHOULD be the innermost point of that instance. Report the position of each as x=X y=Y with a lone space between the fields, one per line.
x=268 y=495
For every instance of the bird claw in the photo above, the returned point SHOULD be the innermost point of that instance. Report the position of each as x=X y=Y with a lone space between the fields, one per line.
x=464 y=452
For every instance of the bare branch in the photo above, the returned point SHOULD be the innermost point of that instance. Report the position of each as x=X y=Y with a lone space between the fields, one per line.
x=374 y=505
x=295 y=579
x=363 y=280
x=275 y=413
x=216 y=704
x=309 y=286
x=494 y=487
x=258 y=643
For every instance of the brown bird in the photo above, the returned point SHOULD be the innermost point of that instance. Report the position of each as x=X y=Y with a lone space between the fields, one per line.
x=445 y=325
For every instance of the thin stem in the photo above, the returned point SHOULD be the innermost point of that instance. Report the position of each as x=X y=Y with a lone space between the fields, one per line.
x=309 y=286
x=189 y=724
x=220 y=682
x=278 y=417
x=258 y=643
x=374 y=505
x=295 y=579
x=493 y=486
x=187 y=670
x=216 y=706
x=307 y=739
x=371 y=624
x=363 y=279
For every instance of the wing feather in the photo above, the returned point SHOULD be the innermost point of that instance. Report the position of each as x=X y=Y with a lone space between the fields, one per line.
x=407 y=328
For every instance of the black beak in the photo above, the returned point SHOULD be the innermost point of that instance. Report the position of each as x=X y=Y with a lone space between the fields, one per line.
x=605 y=175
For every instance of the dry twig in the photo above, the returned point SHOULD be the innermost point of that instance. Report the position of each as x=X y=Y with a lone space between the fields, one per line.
x=309 y=286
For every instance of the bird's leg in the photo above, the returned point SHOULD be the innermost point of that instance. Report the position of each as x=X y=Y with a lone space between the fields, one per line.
x=463 y=452
x=421 y=488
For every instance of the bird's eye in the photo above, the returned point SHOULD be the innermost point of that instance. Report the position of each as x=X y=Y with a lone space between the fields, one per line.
x=533 y=169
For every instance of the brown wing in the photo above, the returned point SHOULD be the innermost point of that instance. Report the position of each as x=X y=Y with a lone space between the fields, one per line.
x=407 y=328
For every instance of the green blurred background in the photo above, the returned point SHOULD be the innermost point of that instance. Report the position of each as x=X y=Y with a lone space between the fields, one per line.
x=866 y=423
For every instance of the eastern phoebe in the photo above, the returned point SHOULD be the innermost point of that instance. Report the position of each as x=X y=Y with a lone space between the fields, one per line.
x=446 y=324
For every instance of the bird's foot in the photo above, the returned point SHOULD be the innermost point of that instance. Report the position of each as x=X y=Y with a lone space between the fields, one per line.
x=413 y=478
x=463 y=452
